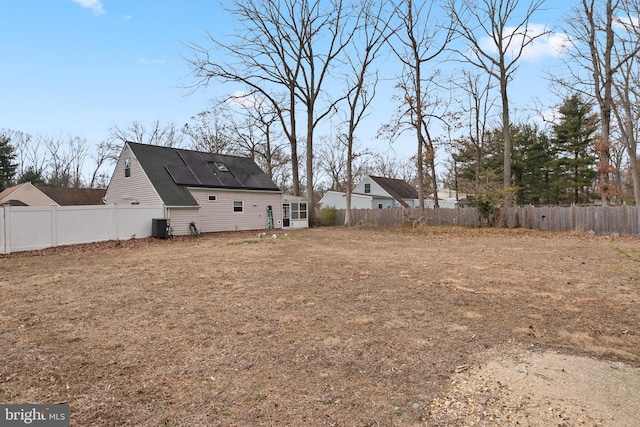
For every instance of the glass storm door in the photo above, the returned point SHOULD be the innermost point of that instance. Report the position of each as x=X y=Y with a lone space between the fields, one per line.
x=286 y=215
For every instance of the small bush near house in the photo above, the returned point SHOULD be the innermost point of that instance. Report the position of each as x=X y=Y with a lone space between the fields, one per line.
x=326 y=217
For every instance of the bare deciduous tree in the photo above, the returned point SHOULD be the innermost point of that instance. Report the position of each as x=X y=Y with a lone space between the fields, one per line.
x=288 y=45
x=66 y=157
x=209 y=131
x=254 y=125
x=419 y=40
x=475 y=114
x=508 y=35
x=265 y=55
x=167 y=136
x=389 y=165
x=332 y=159
x=597 y=53
x=374 y=31
x=626 y=85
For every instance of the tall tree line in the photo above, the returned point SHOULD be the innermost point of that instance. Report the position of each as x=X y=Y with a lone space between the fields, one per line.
x=558 y=166
x=303 y=74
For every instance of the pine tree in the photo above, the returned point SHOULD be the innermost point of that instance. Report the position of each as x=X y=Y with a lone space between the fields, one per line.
x=533 y=174
x=7 y=167
x=573 y=143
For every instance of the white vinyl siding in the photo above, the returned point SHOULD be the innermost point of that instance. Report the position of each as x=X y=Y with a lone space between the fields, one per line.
x=369 y=186
x=181 y=218
x=339 y=201
x=220 y=216
x=135 y=188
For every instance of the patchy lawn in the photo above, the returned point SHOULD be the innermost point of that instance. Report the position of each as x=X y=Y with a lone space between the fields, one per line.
x=328 y=326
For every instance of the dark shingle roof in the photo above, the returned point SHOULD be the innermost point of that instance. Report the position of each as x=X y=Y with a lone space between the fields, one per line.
x=172 y=170
x=65 y=196
x=397 y=188
x=152 y=159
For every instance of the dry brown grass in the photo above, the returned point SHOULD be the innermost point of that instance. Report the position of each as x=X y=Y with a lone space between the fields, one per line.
x=321 y=327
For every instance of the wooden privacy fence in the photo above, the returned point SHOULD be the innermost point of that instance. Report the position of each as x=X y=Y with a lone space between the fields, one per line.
x=25 y=228
x=615 y=220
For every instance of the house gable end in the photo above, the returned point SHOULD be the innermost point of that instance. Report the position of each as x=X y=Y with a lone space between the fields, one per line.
x=26 y=194
x=132 y=189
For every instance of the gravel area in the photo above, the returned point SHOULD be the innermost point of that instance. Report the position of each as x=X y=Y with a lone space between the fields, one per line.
x=540 y=388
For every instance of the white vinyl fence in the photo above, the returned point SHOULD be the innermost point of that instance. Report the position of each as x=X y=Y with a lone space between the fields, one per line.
x=26 y=228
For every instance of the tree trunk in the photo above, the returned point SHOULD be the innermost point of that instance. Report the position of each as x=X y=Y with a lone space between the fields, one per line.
x=295 y=169
x=347 y=212
x=310 y=196
x=506 y=135
x=635 y=176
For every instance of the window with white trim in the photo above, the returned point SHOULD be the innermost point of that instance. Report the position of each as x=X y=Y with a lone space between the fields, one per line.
x=298 y=210
x=127 y=168
x=238 y=206
x=213 y=198
x=367 y=188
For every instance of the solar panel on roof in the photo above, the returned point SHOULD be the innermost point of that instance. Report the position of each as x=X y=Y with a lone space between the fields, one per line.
x=182 y=175
x=229 y=181
x=200 y=169
x=211 y=181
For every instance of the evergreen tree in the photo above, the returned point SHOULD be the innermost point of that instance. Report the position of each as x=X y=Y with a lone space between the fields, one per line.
x=32 y=176
x=573 y=144
x=532 y=158
x=7 y=167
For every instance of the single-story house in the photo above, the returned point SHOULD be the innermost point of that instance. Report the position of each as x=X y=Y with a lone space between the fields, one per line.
x=26 y=194
x=375 y=192
x=215 y=192
x=448 y=199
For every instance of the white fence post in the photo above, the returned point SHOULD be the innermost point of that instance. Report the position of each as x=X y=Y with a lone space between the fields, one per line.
x=54 y=226
x=114 y=219
x=4 y=229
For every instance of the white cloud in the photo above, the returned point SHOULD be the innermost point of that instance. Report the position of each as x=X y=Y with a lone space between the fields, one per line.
x=94 y=5
x=152 y=61
x=626 y=23
x=549 y=45
x=245 y=100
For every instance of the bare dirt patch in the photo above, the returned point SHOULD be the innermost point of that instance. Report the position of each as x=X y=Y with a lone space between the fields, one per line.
x=327 y=327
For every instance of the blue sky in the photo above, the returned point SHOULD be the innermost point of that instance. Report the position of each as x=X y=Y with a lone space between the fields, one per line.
x=80 y=67
x=80 y=70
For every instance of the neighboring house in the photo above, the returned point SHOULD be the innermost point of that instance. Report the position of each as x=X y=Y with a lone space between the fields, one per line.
x=375 y=192
x=214 y=191
x=448 y=199
x=26 y=194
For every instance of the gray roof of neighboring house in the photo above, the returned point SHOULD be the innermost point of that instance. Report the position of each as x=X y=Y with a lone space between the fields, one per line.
x=172 y=170
x=397 y=188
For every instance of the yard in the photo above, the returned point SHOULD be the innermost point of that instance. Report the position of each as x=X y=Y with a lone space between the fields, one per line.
x=328 y=326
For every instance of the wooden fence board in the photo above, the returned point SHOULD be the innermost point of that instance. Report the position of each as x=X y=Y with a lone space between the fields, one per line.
x=612 y=220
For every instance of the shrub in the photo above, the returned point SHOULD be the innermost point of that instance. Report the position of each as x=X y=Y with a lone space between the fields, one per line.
x=326 y=217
